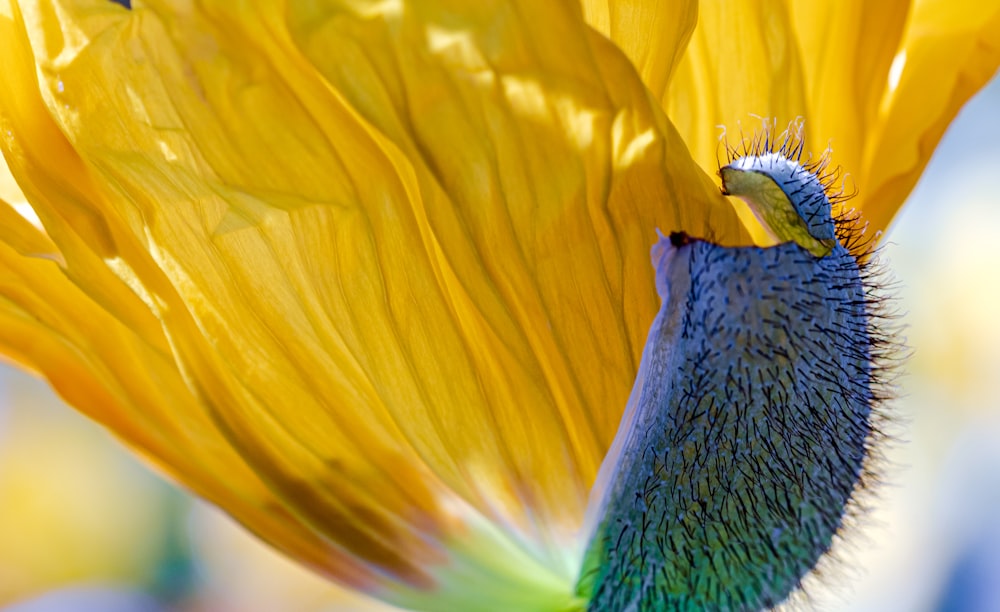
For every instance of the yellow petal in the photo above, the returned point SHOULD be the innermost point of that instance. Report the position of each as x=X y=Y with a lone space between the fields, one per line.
x=847 y=50
x=652 y=34
x=125 y=254
x=948 y=52
x=742 y=62
x=878 y=82
x=49 y=326
x=885 y=79
x=536 y=179
x=391 y=250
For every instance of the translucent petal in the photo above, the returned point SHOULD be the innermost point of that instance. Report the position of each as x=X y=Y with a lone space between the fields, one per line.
x=396 y=253
x=948 y=52
x=742 y=64
x=531 y=176
x=847 y=51
x=49 y=326
x=878 y=82
x=122 y=370
x=652 y=34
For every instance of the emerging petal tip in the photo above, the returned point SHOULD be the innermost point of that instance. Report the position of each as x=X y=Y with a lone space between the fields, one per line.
x=788 y=196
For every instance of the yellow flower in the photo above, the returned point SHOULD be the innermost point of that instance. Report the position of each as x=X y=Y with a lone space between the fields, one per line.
x=373 y=276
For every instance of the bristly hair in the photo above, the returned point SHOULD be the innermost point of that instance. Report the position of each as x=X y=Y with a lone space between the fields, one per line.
x=888 y=353
x=886 y=345
x=790 y=143
x=756 y=429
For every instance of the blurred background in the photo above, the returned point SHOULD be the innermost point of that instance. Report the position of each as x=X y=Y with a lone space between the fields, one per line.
x=86 y=527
